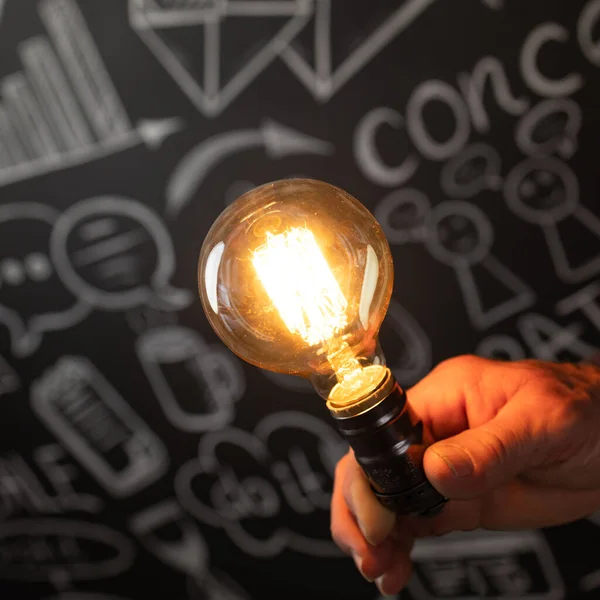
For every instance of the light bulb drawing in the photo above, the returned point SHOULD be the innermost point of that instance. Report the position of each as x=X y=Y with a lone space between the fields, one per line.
x=552 y=126
x=296 y=278
x=544 y=191
x=461 y=236
x=474 y=170
x=403 y=215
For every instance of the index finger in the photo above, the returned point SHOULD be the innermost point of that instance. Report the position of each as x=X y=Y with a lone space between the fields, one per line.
x=460 y=393
x=374 y=520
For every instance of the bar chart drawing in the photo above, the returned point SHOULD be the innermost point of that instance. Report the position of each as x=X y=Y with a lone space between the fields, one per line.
x=62 y=108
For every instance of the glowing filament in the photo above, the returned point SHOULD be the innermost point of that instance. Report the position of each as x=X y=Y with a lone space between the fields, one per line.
x=300 y=283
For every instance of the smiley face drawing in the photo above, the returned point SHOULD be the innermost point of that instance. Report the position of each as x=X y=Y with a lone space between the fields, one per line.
x=542 y=191
x=459 y=233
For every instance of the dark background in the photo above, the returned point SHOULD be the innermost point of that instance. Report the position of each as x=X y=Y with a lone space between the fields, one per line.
x=138 y=457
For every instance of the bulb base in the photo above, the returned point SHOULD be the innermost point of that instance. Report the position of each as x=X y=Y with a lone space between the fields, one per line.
x=387 y=440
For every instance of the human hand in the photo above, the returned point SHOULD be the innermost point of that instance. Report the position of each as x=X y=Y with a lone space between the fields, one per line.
x=512 y=445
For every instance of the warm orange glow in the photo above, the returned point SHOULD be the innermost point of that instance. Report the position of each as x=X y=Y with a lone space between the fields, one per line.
x=303 y=289
x=297 y=278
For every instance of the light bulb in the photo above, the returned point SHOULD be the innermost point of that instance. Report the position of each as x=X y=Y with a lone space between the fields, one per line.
x=296 y=277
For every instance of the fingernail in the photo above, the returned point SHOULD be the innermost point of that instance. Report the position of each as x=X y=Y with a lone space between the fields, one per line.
x=366 y=534
x=458 y=461
x=380 y=582
x=358 y=562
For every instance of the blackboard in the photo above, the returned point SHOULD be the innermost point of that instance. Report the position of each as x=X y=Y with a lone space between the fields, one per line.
x=141 y=459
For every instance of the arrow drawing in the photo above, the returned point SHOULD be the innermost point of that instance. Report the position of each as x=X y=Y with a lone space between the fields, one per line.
x=278 y=141
x=151 y=133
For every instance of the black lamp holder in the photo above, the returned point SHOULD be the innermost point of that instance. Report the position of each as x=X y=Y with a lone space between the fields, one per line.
x=387 y=440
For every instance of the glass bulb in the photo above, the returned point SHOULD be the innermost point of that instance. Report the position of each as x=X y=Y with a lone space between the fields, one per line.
x=296 y=277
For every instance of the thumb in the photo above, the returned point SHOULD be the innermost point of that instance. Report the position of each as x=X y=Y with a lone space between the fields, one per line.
x=479 y=460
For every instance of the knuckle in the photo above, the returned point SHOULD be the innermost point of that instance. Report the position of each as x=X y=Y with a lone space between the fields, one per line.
x=467 y=370
x=564 y=402
x=496 y=444
x=548 y=382
x=568 y=411
x=552 y=380
x=463 y=363
x=535 y=373
x=573 y=410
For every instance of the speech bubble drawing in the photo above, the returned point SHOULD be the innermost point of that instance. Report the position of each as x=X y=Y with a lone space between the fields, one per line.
x=32 y=298
x=474 y=170
x=71 y=550
x=275 y=491
x=115 y=254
